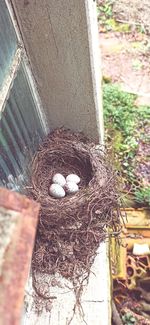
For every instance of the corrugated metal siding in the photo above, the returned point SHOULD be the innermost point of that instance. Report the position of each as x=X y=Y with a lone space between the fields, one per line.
x=20 y=132
x=8 y=41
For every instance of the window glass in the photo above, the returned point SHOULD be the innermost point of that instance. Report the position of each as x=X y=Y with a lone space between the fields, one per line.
x=20 y=132
x=8 y=41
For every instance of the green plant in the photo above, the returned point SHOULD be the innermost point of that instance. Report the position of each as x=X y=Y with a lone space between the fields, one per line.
x=106 y=17
x=107 y=8
x=128 y=319
x=108 y=20
x=143 y=196
x=104 y=13
x=124 y=123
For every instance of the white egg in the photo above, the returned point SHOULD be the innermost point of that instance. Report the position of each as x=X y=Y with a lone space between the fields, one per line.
x=71 y=187
x=56 y=191
x=73 y=178
x=59 y=179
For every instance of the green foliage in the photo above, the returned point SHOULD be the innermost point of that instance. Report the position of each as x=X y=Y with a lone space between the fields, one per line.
x=104 y=14
x=124 y=123
x=107 y=20
x=128 y=319
x=143 y=195
x=105 y=9
x=118 y=109
x=121 y=115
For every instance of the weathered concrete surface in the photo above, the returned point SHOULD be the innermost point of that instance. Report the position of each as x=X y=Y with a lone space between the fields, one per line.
x=94 y=299
x=18 y=221
x=62 y=46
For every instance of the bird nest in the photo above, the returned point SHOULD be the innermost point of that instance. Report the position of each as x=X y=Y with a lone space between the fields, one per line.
x=71 y=228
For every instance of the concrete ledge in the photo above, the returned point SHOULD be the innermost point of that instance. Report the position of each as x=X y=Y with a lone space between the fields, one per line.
x=95 y=298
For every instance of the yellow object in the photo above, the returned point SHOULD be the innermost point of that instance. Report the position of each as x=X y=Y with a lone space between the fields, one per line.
x=137 y=218
x=131 y=283
x=118 y=258
x=136 y=231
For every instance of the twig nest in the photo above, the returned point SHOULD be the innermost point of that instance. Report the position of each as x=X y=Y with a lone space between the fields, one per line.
x=59 y=179
x=71 y=188
x=76 y=223
x=57 y=191
x=73 y=178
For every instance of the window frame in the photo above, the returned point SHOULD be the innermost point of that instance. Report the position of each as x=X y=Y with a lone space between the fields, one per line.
x=19 y=60
x=20 y=56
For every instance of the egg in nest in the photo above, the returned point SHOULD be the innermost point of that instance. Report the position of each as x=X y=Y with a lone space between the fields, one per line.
x=56 y=191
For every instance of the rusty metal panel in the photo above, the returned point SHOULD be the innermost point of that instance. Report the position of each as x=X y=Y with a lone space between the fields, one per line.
x=18 y=221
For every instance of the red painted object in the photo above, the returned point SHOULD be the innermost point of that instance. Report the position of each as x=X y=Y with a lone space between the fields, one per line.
x=16 y=261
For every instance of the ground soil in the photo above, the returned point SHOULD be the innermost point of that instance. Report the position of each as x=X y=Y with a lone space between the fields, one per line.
x=126 y=61
x=126 y=56
x=133 y=11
